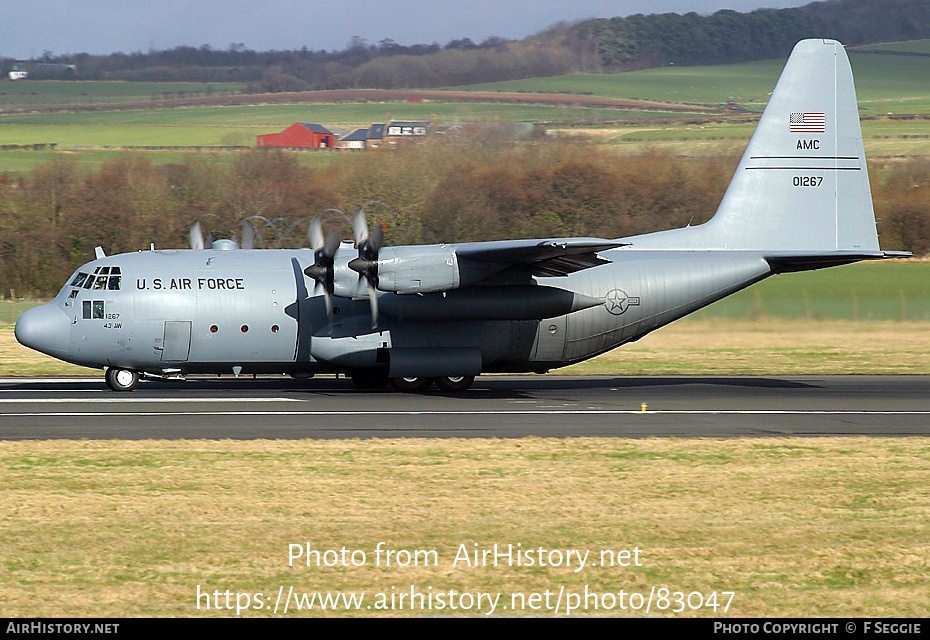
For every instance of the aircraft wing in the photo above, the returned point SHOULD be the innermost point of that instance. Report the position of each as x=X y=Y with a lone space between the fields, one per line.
x=555 y=257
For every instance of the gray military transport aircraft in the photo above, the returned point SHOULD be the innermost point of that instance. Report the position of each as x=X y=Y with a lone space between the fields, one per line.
x=412 y=316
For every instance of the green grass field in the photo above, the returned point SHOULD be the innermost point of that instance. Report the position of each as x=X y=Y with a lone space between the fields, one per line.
x=747 y=83
x=22 y=162
x=277 y=116
x=914 y=46
x=898 y=291
x=884 y=84
x=50 y=92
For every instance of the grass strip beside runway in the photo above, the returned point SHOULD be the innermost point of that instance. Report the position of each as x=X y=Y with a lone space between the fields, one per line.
x=796 y=528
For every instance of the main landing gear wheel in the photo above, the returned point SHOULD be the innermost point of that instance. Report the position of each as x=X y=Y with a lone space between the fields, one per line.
x=411 y=385
x=369 y=380
x=455 y=383
x=121 y=379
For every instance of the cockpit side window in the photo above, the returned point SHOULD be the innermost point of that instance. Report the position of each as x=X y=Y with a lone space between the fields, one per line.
x=113 y=284
x=79 y=280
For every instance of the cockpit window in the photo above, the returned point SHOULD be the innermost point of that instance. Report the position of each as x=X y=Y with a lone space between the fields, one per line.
x=108 y=278
x=79 y=280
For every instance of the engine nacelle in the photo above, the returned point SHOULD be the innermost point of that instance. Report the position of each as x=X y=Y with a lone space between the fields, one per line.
x=347 y=283
x=427 y=269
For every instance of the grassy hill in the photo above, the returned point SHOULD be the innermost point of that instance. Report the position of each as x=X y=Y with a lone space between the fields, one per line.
x=884 y=83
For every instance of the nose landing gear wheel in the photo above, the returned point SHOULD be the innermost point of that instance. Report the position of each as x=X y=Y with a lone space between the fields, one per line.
x=455 y=383
x=121 y=379
x=411 y=385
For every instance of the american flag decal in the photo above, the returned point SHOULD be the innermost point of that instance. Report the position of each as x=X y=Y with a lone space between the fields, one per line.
x=807 y=122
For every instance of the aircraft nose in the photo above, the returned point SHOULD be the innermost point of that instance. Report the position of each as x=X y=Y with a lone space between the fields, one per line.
x=46 y=329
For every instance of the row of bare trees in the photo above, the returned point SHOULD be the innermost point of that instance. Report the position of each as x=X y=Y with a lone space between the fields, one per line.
x=453 y=190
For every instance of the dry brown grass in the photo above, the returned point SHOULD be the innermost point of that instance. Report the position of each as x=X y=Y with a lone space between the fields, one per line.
x=826 y=527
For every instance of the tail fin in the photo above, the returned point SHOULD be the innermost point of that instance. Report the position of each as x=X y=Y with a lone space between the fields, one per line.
x=802 y=184
x=802 y=187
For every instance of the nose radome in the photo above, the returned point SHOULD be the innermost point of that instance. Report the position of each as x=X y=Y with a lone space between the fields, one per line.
x=46 y=329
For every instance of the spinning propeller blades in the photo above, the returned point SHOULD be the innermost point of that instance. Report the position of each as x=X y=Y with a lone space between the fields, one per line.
x=322 y=270
x=366 y=264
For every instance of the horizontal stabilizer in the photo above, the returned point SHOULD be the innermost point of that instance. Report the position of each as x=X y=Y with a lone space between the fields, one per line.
x=787 y=262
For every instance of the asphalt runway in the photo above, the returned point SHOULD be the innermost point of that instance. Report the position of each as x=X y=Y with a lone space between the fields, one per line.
x=495 y=407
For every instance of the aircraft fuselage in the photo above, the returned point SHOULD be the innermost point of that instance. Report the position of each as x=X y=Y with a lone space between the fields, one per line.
x=208 y=311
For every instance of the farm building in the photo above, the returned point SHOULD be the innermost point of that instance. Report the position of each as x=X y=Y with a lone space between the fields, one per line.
x=379 y=134
x=299 y=134
x=375 y=136
x=399 y=131
x=355 y=140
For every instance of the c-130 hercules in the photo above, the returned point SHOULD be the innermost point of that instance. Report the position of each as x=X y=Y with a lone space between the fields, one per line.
x=413 y=316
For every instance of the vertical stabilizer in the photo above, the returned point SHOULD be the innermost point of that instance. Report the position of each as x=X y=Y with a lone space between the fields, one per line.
x=802 y=184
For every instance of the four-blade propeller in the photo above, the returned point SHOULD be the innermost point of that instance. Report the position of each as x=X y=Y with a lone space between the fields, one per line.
x=366 y=264
x=323 y=268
